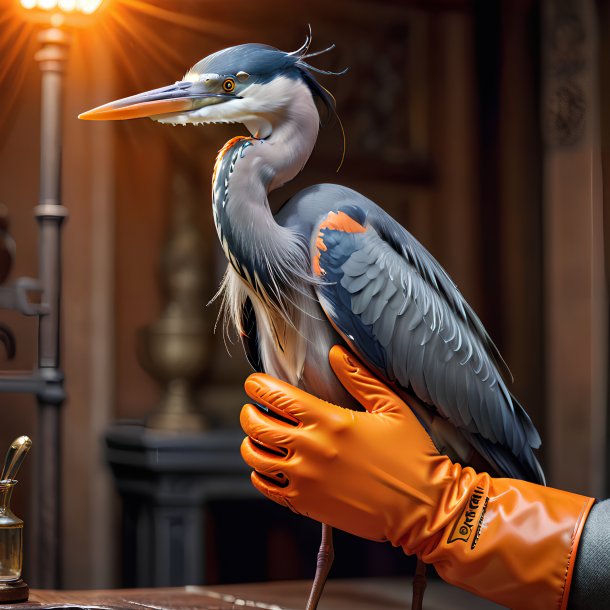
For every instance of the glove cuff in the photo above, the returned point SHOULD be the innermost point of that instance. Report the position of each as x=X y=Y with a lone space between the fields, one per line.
x=513 y=543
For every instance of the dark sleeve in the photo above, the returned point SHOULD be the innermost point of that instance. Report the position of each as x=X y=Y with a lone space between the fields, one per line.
x=591 y=579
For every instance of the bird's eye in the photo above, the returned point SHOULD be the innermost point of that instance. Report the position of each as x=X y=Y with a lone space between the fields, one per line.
x=228 y=85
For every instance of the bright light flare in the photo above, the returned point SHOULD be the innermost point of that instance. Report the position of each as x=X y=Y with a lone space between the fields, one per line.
x=86 y=7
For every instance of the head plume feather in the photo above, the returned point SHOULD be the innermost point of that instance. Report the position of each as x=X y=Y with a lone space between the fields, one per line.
x=306 y=69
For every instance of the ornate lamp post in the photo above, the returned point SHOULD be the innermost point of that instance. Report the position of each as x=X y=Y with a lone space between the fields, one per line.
x=46 y=381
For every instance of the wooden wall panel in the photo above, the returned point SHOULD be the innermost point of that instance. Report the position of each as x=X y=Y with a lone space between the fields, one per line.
x=519 y=194
x=576 y=303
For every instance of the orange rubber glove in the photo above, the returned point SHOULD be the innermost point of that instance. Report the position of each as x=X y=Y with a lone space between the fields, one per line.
x=377 y=474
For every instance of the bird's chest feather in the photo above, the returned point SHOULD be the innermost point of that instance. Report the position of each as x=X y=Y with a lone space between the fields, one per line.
x=294 y=346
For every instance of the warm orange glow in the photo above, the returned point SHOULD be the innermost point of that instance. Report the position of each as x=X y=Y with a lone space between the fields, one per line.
x=87 y=7
x=131 y=34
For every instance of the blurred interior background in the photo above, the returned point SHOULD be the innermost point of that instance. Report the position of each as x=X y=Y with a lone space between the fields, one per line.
x=482 y=125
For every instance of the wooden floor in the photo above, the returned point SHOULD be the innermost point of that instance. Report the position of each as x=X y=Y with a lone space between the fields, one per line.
x=363 y=594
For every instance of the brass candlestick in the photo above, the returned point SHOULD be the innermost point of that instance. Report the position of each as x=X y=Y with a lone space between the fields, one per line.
x=12 y=587
x=174 y=349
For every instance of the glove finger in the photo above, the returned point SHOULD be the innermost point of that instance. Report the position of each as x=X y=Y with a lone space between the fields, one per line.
x=264 y=462
x=285 y=400
x=269 y=431
x=367 y=389
x=272 y=491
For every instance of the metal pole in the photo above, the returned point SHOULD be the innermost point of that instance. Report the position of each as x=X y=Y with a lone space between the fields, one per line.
x=50 y=214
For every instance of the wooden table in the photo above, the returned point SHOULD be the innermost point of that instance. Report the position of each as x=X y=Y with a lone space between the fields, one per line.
x=362 y=594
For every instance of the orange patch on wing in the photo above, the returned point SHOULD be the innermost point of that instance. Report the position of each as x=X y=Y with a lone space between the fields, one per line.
x=321 y=246
x=340 y=221
x=316 y=265
x=335 y=221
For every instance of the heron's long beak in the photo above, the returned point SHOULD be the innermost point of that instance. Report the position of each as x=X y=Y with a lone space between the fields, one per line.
x=180 y=97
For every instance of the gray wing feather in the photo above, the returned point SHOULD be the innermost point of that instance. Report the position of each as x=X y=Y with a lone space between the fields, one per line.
x=423 y=287
x=467 y=390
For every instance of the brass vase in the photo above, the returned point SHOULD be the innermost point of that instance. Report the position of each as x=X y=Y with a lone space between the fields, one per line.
x=174 y=349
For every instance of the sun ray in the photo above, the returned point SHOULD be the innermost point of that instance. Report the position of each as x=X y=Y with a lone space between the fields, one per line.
x=149 y=44
x=6 y=16
x=134 y=34
x=189 y=21
x=16 y=47
x=170 y=53
x=11 y=54
x=123 y=60
x=146 y=46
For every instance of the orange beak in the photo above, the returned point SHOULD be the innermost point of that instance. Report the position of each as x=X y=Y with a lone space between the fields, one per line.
x=180 y=97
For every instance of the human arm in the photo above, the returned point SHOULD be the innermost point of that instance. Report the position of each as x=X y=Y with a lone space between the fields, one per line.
x=591 y=580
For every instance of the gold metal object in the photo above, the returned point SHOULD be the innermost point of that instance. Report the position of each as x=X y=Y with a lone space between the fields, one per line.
x=11 y=536
x=174 y=349
x=12 y=588
x=14 y=458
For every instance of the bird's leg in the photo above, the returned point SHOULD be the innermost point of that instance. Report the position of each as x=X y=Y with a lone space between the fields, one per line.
x=326 y=555
x=419 y=586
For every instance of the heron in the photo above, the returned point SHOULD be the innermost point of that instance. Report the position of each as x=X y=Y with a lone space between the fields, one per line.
x=332 y=267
